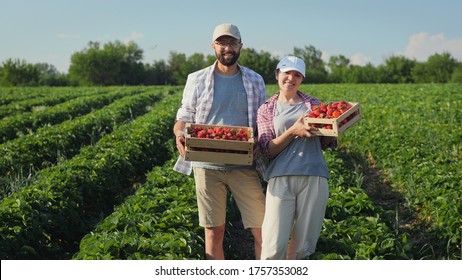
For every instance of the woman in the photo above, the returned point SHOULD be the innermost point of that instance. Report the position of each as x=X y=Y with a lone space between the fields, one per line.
x=297 y=173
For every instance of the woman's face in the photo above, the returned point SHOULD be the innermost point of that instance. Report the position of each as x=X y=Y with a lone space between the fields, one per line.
x=289 y=81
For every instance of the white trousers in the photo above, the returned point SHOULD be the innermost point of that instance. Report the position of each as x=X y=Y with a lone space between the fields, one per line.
x=295 y=208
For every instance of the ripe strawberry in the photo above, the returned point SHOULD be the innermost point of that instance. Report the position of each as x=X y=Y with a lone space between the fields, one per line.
x=218 y=131
x=329 y=111
x=202 y=134
x=311 y=115
x=317 y=112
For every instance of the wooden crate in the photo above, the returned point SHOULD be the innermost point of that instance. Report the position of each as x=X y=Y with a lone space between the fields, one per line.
x=219 y=151
x=337 y=126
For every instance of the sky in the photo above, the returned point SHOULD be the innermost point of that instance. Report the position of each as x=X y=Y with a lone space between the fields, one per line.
x=365 y=31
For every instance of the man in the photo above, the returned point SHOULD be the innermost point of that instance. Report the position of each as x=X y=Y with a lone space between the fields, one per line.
x=228 y=94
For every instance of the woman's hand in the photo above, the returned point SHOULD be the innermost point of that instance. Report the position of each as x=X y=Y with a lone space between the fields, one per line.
x=300 y=129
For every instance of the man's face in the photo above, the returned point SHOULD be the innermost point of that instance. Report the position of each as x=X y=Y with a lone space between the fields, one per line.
x=227 y=50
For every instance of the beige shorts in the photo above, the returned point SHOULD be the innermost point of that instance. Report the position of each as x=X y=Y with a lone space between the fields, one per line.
x=211 y=191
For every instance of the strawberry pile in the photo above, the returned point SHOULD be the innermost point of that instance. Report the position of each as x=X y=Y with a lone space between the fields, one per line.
x=220 y=133
x=330 y=110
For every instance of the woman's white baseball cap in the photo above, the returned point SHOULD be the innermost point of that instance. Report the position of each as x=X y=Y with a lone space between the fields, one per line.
x=289 y=63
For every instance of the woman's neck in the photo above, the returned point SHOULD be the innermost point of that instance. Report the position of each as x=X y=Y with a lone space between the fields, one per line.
x=289 y=98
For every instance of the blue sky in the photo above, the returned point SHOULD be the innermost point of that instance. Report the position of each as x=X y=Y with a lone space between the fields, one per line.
x=364 y=31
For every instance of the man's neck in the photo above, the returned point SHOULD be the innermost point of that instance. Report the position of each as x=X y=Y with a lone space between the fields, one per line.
x=226 y=70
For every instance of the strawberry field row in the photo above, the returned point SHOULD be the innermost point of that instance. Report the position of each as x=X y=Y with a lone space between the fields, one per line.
x=28 y=122
x=354 y=226
x=48 y=218
x=45 y=147
x=158 y=222
x=15 y=94
x=47 y=97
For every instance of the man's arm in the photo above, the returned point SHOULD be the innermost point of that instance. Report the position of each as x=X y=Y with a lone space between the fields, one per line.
x=178 y=130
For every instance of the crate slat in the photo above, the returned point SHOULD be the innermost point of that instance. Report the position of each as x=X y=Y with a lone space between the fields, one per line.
x=219 y=157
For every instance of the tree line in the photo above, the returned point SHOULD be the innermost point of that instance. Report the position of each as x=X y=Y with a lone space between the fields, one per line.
x=116 y=63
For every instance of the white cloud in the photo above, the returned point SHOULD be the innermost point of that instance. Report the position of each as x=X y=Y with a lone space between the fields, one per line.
x=355 y=59
x=134 y=36
x=325 y=56
x=422 y=45
x=360 y=59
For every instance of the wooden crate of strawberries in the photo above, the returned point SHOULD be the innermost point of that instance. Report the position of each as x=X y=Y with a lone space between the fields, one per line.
x=219 y=144
x=333 y=118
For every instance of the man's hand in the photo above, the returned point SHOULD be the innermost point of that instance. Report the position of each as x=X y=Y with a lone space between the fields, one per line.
x=178 y=129
x=180 y=144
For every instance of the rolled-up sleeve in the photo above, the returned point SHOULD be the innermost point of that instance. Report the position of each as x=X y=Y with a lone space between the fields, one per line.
x=265 y=129
x=187 y=110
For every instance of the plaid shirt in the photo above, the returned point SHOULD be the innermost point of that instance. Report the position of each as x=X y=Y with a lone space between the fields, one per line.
x=198 y=99
x=265 y=123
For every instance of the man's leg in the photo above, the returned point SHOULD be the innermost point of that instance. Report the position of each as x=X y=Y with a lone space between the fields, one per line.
x=211 y=201
x=250 y=199
x=256 y=232
x=214 y=242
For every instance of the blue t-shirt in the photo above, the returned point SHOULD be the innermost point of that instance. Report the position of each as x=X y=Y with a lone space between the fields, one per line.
x=229 y=105
x=303 y=156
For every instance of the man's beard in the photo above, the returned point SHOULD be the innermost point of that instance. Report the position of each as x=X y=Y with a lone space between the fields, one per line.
x=228 y=62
